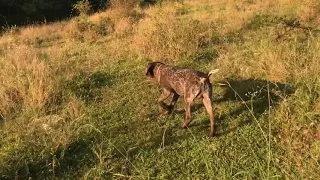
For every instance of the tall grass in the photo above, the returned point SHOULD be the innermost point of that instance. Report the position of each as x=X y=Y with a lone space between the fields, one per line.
x=26 y=80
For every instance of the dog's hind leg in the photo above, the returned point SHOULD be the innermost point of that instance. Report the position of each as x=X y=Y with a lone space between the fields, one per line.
x=187 y=104
x=208 y=105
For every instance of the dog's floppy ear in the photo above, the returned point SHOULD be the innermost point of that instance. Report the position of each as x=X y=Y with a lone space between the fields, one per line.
x=150 y=69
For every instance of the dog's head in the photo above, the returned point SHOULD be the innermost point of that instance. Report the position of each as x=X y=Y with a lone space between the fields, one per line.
x=150 y=69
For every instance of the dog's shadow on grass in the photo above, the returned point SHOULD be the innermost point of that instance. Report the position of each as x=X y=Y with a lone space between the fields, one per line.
x=173 y=133
x=194 y=107
x=176 y=111
x=254 y=96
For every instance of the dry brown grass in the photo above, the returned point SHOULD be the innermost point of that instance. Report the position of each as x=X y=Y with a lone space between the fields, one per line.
x=124 y=5
x=309 y=11
x=165 y=36
x=299 y=131
x=33 y=33
x=25 y=79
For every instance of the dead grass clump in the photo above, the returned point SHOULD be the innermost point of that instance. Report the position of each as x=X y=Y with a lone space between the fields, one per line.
x=123 y=26
x=59 y=129
x=115 y=21
x=125 y=5
x=169 y=38
x=298 y=116
x=255 y=62
x=34 y=33
x=309 y=11
x=85 y=27
x=54 y=30
x=25 y=80
x=81 y=28
x=39 y=139
x=297 y=120
x=268 y=58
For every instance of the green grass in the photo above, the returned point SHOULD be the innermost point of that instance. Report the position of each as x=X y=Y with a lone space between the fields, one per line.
x=93 y=115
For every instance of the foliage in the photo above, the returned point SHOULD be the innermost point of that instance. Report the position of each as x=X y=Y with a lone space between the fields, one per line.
x=30 y=11
x=83 y=7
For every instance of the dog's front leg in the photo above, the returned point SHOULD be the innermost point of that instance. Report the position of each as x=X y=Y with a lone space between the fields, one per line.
x=165 y=94
x=173 y=102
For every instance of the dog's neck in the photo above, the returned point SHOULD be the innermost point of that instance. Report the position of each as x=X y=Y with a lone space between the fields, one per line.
x=157 y=70
x=156 y=73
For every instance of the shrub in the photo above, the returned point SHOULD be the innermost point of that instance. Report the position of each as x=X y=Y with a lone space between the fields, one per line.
x=83 y=7
x=173 y=39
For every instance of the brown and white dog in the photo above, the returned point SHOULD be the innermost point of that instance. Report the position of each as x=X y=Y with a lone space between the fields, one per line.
x=188 y=83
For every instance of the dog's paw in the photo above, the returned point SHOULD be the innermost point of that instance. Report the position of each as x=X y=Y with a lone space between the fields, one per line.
x=184 y=125
x=165 y=112
x=166 y=109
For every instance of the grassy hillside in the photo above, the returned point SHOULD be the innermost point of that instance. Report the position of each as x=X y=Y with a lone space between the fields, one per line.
x=74 y=101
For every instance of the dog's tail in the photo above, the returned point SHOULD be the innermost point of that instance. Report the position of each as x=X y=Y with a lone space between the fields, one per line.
x=209 y=74
x=213 y=72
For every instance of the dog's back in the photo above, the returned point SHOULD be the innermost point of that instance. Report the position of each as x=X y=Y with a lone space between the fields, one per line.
x=180 y=80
